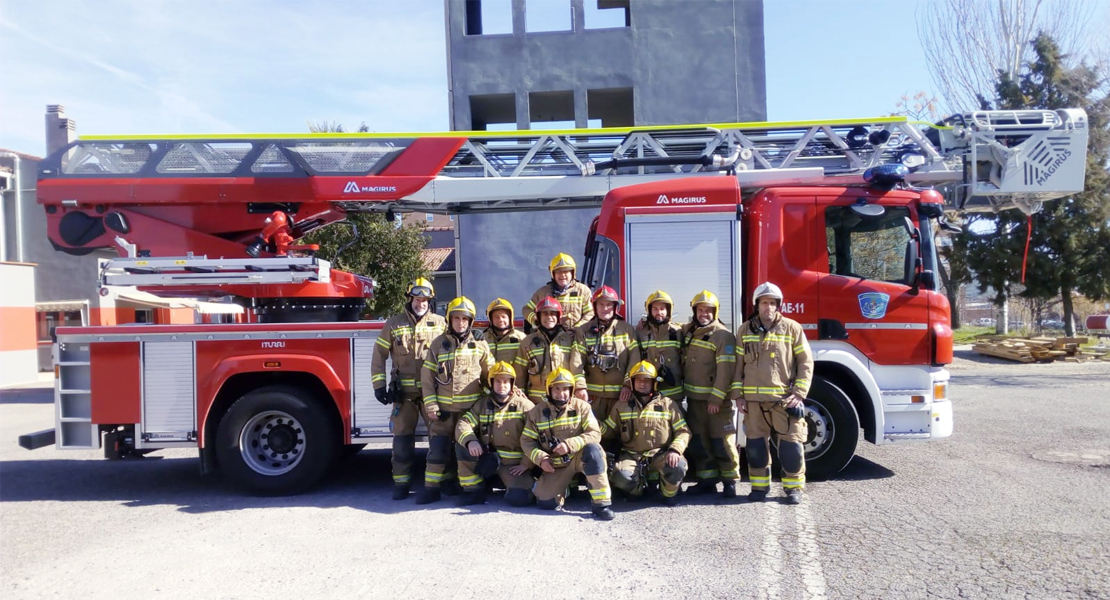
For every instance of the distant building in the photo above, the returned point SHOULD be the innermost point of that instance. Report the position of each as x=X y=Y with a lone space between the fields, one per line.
x=587 y=63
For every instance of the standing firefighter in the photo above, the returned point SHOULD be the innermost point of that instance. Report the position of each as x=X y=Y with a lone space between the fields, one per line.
x=405 y=338
x=608 y=346
x=489 y=441
x=653 y=435
x=562 y=436
x=502 y=338
x=774 y=369
x=660 y=343
x=708 y=364
x=573 y=295
x=454 y=369
x=546 y=350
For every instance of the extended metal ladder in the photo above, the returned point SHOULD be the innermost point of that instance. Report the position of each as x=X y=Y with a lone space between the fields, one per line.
x=190 y=270
x=987 y=160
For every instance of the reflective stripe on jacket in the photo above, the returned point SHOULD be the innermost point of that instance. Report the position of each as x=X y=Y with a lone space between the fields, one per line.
x=538 y=356
x=661 y=345
x=546 y=426
x=644 y=429
x=499 y=426
x=406 y=340
x=577 y=308
x=616 y=344
x=708 y=361
x=454 y=373
x=772 y=363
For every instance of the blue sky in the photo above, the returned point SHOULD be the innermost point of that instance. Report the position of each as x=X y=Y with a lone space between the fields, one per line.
x=240 y=66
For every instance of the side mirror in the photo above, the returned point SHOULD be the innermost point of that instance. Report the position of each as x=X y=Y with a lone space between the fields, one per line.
x=927 y=279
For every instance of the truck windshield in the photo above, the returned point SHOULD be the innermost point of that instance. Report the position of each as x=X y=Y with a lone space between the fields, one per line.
x=604 y=265
x=875 y=247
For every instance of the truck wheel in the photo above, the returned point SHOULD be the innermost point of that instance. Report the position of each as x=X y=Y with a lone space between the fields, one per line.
x=275 y=440
x=833 y=430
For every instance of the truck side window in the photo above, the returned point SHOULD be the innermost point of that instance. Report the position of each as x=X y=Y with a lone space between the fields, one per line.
x=605 y=264
x=869 y=247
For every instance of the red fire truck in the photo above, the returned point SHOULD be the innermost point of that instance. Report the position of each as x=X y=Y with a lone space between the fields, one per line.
x=840 y=214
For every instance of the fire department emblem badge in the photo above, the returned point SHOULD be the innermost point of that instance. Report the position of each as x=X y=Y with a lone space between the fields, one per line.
x=873 y=305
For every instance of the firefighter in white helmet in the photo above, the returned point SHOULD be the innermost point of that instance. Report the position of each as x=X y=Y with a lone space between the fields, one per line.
x=774 y=369
x=708 y=361
x=405 y=338
x=456 y=366
x=573 y=295
x=488 y=438
x=563 y=438
x=653 y=435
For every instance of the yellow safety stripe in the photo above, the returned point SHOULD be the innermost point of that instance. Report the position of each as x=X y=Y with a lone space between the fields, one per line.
x=460 y=352
x=382 y=342
x=749 y=338
x=708 y=473
x=672 y=391
x=532 y=433
x=431 y=366
x=799 y=349
x=774 y=337
x=507 y=133
x=537 y=455
x=487 y=419
x=459 y=399
x=740 y=350
x=602 y=388
x=510 y=454
x=698 y=389
x=716 y=393
x=801 y=383
x=753 y=389
x=376 y=377
x=600 y=494
x=704 y=344
x=793 y=482
x=726 y=358
x=402 y=478
x=730 y=474
x=434 y=477
x=668 y=493
x=467 y=438
x=647 y=414
x=408 y=382
x=470 y=480
x=679 y=424
x=558 y=422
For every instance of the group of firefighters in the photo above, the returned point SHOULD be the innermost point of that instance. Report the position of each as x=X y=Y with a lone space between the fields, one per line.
x=587 y=393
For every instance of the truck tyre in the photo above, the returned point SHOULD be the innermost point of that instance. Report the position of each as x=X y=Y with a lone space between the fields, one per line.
x=833 y=430
x=274 y=441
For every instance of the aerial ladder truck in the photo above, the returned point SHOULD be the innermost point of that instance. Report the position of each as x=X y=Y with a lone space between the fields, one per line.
x=840 y=214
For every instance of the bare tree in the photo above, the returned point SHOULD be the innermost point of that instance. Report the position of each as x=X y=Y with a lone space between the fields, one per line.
x=967 y=42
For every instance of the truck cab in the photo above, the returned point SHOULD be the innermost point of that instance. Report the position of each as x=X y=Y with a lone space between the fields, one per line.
x=857 y=266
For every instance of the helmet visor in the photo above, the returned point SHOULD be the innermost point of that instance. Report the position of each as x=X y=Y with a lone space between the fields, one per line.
x=421 y=291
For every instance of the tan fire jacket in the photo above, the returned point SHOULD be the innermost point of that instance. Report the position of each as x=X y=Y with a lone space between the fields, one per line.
x=538 y=356
x=645 y=429
x=577 y=308
x=546 y=426
x=606 y=355
x=454 y=372
x=497 y=426
x=407 y=341
x=661 y=345
x=708 y=361
x=772 y=363
x=504 y=348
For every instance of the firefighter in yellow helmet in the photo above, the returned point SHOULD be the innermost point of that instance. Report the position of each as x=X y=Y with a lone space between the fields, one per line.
x=405 y=338
x=573 y=295
x=547 y=349
x=660 y=342
x=653 y=436
x=608 y=346
x=455 y=367
x=502 y=337
x=488 y=438
x=708 y=362
x=563 y=438
x=774 y=370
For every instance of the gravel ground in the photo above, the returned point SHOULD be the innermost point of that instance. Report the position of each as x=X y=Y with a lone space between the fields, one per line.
x=1014 y=505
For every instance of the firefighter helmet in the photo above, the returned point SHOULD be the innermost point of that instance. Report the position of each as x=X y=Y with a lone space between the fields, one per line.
x=606 y=293
x=463 y=305
x=420 y=288
x=659 y=296
x=501 y=368
x=767 y=289
x=562 y=261
x=706 y=297
x=559 y=376
x=500 y=304
x=642 y=369
x=549 y=304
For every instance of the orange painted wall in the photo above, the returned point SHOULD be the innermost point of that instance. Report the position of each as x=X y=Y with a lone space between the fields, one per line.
x=17 y=328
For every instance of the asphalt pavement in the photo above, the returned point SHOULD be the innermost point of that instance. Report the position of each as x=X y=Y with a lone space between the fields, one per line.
x=1013 y=505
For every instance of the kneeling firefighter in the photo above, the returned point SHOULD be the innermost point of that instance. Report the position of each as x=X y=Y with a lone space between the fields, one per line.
x=562 y=436
x=653 y=435
x=488 y=438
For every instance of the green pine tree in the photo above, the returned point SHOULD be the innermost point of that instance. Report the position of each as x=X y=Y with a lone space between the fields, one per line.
x=1068 y=249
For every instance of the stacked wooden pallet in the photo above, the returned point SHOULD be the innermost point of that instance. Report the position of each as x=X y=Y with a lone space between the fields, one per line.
x=1039 y=349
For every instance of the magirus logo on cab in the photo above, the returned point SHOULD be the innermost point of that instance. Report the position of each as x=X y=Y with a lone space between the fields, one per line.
x=353 y=187
x=663 y=199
